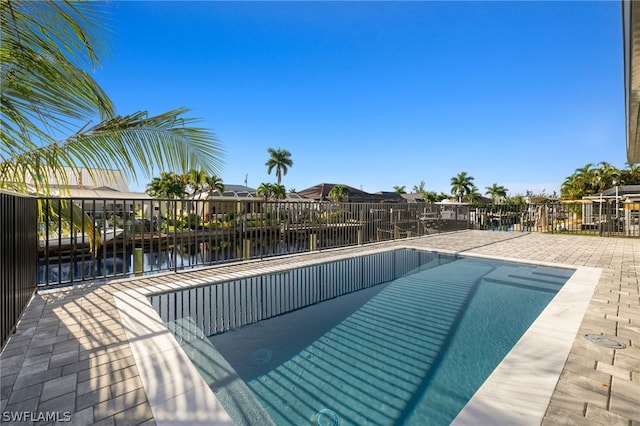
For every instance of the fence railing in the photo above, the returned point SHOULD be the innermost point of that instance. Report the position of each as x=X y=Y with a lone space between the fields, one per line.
x=140 y=236
x=76 y=239
x=606 y=218
x=18 y=257
x=135 y=236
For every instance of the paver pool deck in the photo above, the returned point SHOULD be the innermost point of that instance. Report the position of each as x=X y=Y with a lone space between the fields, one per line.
x=70 y=353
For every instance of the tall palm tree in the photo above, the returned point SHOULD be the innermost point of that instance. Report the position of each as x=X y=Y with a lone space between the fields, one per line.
x=280 y=160
x=496 y=192
x=461 y=185
x=338 y=193
x=46 y=93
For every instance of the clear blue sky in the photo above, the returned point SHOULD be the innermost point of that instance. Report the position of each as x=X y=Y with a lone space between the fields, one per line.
x=377 y=94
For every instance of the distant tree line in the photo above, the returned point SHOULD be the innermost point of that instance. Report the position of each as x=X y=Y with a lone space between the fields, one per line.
x=585 y=181
x=174 y=185
x=590 y=180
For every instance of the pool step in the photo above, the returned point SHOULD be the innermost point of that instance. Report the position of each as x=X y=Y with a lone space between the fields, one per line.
x=531 y=277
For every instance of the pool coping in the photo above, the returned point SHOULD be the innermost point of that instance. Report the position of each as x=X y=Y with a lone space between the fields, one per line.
x=517 y=392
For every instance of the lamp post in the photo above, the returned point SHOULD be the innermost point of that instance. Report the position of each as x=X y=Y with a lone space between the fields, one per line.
x=615 y=182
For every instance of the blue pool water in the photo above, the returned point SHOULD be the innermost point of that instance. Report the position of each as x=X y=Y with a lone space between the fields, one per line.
x=412 y=350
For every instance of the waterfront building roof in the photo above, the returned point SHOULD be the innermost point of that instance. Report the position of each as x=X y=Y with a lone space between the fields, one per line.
x=631 y=56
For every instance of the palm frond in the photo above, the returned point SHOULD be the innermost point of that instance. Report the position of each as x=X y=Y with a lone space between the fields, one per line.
x=44 y=87
x=45 y=94
x=73 y=219
x=166 y=141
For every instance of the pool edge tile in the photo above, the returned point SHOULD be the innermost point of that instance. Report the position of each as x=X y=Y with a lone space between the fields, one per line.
x=193 y=404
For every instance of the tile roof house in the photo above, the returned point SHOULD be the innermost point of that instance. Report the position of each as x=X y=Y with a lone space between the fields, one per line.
x=234 y=192
x=321 y=191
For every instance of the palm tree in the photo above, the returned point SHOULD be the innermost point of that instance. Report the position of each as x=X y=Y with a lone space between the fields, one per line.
x=210 y=184
x=419 y=189
x=517 y=199
x=584 y=170
x=214 y=183
x=461 y=185
x=634 y=174
x=610 y=174
x=45 y=93
x=496 y=192
x=473 y=195
x=168 y=185
x=265 y=190
x=630 y=176
x=280 y=160
x=196 y=179
x=278 y=191
x=584 y=179
x=589 y=180
x=338 y=193
x=573 y=188
x=430 y=197
x=400 y=189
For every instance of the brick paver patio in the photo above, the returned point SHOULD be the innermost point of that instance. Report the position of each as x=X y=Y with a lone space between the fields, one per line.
x=70 y=359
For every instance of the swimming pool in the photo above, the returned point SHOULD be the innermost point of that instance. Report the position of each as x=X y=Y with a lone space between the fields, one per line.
x=402 y=342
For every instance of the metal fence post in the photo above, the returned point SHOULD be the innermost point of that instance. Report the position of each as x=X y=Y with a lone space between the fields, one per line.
x=18 y=257
x=138 y=261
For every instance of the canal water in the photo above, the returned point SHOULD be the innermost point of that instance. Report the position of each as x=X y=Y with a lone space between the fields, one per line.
x=62 y=270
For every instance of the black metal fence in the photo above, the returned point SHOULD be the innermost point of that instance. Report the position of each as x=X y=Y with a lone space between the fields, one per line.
x=68 y=240
x=87 y=239
x=137 y=236
x=18 y=257
x=604 y=218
